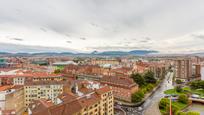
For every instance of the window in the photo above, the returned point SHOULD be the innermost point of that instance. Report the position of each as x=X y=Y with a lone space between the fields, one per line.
x=90 y=107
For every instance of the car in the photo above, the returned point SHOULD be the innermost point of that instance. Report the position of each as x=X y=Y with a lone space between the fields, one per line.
x=167 y=96
x=140 y=108
x=195 y=96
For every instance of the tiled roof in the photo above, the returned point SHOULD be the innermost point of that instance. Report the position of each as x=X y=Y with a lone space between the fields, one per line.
x=30 y=75
x=103 y=90
x=68 y=107
x=71 y=104
x=44 y=83
x=118 y=80
x=5 y=87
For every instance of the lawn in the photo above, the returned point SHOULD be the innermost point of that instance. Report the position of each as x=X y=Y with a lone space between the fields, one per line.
x=176 y=104
x=173 y=91
x=185 y=91
x=179 y=105
x=197 y=91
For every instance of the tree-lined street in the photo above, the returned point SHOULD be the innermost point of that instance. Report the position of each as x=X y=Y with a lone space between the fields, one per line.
x=151 y=104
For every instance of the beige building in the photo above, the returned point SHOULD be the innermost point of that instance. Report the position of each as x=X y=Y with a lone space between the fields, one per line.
x=12 y=100
x=196 y=72
x=21 y=79
x=105 y=61
x=42 y=90
x=97 y=102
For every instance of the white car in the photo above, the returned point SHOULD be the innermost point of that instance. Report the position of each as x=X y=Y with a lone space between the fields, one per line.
x=195 y=96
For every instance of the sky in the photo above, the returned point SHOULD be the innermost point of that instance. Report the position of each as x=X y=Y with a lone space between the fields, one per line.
x=167 y=26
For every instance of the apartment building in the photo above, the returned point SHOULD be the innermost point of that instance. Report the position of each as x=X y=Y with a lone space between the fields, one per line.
x=97 y=102
x=183 y=69
x=196 y=72
x=12 y=100
x=123 y=87
x=105 y=61
x=42 y=90
x=21 y=78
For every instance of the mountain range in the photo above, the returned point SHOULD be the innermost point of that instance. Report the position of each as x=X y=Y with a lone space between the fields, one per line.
x=24 y=50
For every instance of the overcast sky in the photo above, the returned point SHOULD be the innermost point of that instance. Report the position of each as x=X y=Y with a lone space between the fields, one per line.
x=168 y=26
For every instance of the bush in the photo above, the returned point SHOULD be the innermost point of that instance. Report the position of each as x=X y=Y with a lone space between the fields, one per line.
x=178 y=81
x=163 y=103
x=137 y=96
x=149 y=87
x=192 y=113
x=197 y=84
x=179 y=89
x=187 y=113
x=183 y=98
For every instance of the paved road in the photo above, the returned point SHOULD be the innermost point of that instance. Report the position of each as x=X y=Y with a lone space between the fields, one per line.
x=151 y=105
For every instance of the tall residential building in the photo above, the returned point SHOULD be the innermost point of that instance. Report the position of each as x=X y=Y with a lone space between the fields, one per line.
x=97 y=102
x=42 y=90
x=196 y=72
x=183 y=69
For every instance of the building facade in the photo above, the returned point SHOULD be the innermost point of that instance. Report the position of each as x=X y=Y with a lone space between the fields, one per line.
x=42 y=90
x=98 y=102
x=183 y=69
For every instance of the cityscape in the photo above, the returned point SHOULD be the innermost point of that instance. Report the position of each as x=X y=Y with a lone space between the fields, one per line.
x=101 y=57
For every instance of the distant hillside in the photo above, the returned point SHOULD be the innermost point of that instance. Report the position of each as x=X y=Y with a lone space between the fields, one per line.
x=106 y=53
x=121 y=53
x=142 y=52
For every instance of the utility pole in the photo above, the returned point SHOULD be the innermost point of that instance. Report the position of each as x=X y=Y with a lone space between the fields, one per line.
x=170 y=110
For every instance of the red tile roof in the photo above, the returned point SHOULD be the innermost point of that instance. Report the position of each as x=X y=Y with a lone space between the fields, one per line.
x=71 y=104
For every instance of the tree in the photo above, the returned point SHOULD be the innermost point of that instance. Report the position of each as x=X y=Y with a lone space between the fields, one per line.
x=138 y=79
x=57 y=71
x=179 y=89
x=197 y=84
x=149 y=87
x=137 y=96
x=163 y=103
x=183 y=98
x=149 y=77
x=192 y=113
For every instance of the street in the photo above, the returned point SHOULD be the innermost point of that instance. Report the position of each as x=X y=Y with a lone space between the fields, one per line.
x=151 y=104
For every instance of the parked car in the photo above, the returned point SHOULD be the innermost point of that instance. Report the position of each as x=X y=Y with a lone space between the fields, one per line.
x=195 y=96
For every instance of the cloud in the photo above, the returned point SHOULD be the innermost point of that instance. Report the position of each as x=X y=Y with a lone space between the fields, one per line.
x=15 y=48
x=17 y=39
x=43 y=29
x=69 y=41
x=143 y=24
x=198 y=36
x=83 y=38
